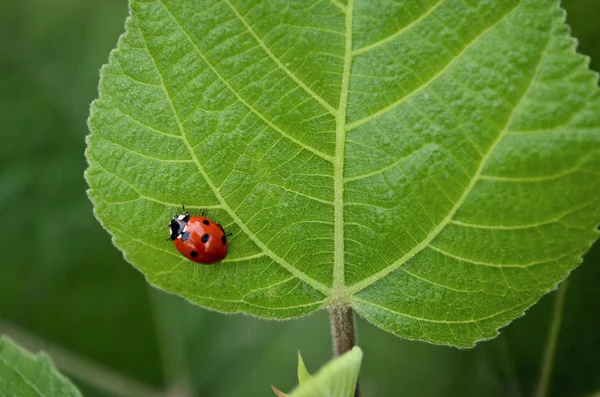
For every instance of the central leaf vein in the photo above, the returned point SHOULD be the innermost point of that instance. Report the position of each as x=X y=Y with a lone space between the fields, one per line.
x=338 y=166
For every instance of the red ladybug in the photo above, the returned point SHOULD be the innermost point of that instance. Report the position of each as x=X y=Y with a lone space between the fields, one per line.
x=199 y=239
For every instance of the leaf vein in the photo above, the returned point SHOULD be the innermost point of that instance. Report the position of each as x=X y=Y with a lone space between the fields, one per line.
x=25 y=379
x=392 y=165
x=399 y=32
x=262 y=44
x=421 y=87
x=165 y=203
x=134 y=80
x=498 y=265
x=301 y=275
x=428 y=281
x=557 y=219
x=473 y=320
x=338 y=165
x=517 y=179
x=237 y=94
x=245 y=258
x=338 y=5
x=146 y=125
x=382 y=273
x=128 y=150
x=308 y=196
x=144 y=197
x=256 y=305
x=270 y=286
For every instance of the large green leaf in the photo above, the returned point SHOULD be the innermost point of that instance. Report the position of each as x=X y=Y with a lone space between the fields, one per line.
x=24 y=374
x=434 y=165
x=86 y=287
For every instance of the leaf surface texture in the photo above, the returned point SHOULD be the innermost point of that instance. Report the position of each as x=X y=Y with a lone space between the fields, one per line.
x=434 y=164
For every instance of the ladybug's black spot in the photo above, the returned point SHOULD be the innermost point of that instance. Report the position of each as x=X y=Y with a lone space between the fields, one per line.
x=206 y=222
x=205 y=238
x=224 y=240
x=194 y=254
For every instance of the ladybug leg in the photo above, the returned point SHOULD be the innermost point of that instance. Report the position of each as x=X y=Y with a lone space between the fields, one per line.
x=223 y=230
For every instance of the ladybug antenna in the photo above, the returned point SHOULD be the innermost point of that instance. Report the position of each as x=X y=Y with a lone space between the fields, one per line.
x=202 y=212
x=228 y=234
x=183 y=207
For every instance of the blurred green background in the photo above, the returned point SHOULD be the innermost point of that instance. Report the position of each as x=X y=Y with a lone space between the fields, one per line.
x=64 y=287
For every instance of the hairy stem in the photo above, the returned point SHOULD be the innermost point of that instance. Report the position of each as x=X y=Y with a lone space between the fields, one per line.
x=550 y=350
x=343 y=331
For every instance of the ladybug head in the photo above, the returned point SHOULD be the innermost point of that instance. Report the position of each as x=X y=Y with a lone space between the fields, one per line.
x=178 y=225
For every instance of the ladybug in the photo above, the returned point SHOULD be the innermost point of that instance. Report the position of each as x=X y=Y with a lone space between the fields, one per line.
x=198 y=238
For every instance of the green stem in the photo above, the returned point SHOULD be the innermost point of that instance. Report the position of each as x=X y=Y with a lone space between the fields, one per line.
x=550 y=350
x=166 y=310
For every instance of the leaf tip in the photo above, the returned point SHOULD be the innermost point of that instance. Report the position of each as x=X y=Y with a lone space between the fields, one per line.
x=278 y=392
x=303 y=374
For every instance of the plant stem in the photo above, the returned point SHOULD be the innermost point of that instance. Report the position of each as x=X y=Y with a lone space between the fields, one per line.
x=550 y=350
x=343 y=332
x=165 y=311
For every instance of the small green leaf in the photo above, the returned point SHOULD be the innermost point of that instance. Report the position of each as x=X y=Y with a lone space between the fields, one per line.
x=24 y=374
x=303 y=375
x=336 y=379
x=432 y=164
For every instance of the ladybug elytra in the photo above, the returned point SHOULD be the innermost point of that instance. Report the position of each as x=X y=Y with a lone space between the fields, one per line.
x=198 y=238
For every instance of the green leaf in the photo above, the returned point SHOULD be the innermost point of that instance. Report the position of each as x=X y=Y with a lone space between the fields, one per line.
x=336 y=379
x=303 y=375
x=24 y=374
x=434 y=165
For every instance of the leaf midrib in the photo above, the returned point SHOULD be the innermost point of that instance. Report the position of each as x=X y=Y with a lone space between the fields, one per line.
x=338 y=166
